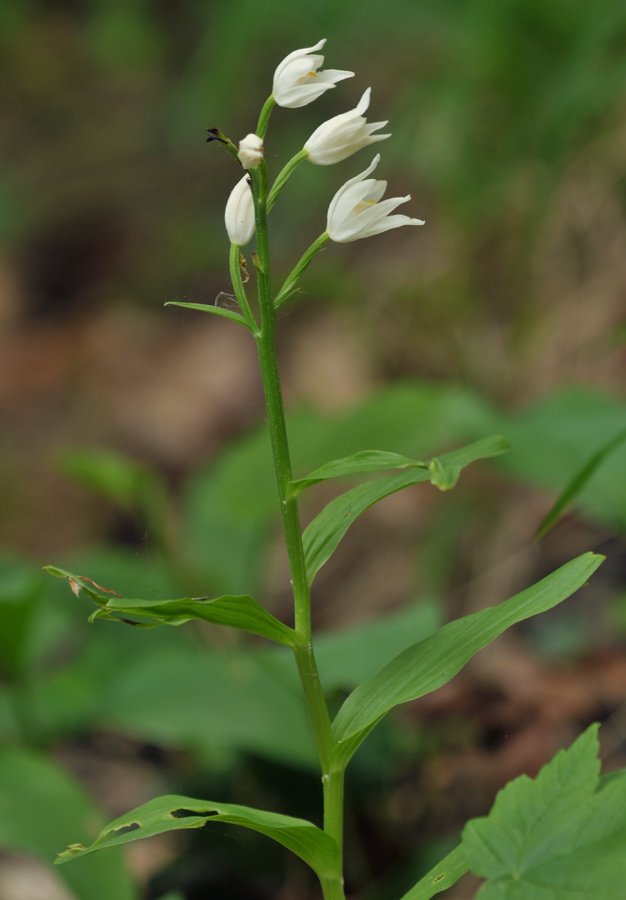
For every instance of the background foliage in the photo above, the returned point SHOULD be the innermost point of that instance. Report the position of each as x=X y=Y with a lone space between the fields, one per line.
x=133 y=447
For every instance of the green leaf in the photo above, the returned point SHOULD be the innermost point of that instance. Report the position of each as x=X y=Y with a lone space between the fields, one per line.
x=442 y=876
x=217 y=310
x=237 y=611
x=363 y=461
x=555 y=837
x=20 y=592
x=324 y=533
x=40 y=806
x=578 y=483
x=171 y=813
x=444 y=470
x=432 y=662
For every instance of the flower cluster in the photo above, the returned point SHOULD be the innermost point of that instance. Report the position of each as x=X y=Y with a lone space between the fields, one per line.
x=357 y=209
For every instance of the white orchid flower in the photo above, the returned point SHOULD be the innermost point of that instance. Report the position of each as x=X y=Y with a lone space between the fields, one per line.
x=239 y=213
x=355 y=211
x=251 y=151
x=297 y=81
x=343 y=135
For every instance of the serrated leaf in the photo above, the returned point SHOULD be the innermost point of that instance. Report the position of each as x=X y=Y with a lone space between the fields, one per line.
x=442 y=876
x=236 y=611
x=324 y=533
x=172 y=813
x=556 y=837
x=434 y=661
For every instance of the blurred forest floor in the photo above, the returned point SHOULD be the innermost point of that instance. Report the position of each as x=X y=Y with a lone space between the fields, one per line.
x=509 y=130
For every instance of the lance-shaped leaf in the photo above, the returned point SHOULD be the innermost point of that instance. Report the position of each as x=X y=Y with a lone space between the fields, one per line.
x=216 y=310
x=558 y=837
x=578 y=483
x=171 y=813
x=442 y=876
x=443 y=470
x=434 y=661
x=239 y=611
x=324 y=533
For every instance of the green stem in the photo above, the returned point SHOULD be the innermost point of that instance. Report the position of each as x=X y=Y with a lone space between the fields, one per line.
x=292 y=279
x=284 y=175
x=264 y=116
x=240 y=291
x=303 y=648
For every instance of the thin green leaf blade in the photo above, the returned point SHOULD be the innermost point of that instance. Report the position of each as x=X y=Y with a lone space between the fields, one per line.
x=324 y=533
x=172 y=813
x=442 y=876
x=445 y=469
x=578 y=483
x=356 y=464
x=434 y=661
x=559 y=836
x=216 y=310
x=237 y=611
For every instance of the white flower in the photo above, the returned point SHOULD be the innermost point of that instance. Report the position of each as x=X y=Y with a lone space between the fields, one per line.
x=343 y=135
x=297 y=81
x=251 y=151
x=239 y=213
x=355 y=212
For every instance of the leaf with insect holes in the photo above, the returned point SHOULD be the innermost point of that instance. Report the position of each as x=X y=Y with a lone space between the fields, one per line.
x=325 y=532
x=434 y=661
x=172 y=813
x=239 y=611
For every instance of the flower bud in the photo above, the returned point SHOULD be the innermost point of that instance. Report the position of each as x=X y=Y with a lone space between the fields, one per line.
x=355 y=212
x=343 y=135
x=297 y=81
x=239 y=213
x=251 y=151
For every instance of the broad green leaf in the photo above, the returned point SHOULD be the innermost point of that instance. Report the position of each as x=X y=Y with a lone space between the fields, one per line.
x=555 y=837
x=429 y=664
x=41 y=806
x=444 y=470
x=237 y=611
x=171 y=813
x=208 y=703
x=216 y=310
x=442 y=876
x=324 y=533
x=578 y=483
x=20 y=592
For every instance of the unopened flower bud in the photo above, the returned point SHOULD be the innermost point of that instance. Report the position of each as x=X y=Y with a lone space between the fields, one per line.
x=251 y=151
x=239 y=213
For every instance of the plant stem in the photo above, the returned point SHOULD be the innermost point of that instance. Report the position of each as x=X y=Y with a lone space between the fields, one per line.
x=303 y=649
x=292 y=279
x=240 y=291
x=284 y=175
x=264 y=116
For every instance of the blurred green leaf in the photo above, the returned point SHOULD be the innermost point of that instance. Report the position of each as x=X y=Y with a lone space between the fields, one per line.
x=41 y=808
x=578 y=482
x=171 y=813
x=556 y=836
x=429 y=664
x=20 y=591
x=236 y=611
